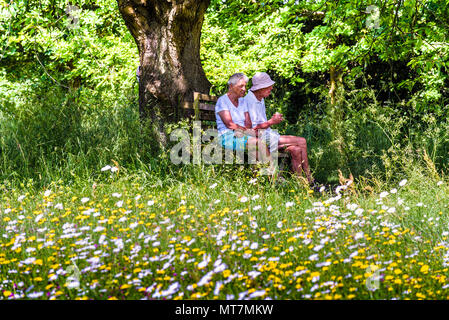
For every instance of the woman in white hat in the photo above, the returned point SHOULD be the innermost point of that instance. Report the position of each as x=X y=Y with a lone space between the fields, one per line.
x=296 y=146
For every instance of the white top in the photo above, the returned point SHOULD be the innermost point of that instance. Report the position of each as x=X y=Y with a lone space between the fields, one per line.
x=258 y=115
x=237 y=113
x=256 y=109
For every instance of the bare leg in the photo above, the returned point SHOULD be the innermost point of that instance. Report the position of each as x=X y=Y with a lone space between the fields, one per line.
x=253 y=145
x=297 y=145
x=296 y=155
x=258 y=152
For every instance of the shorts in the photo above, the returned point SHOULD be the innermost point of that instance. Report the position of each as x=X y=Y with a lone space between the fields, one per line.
x=230 y=141
x=271 y=138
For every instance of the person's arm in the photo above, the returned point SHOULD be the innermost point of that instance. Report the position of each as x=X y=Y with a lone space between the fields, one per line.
x=248 y=122
x=275 y=119
x=249 y=125
x=225 y=116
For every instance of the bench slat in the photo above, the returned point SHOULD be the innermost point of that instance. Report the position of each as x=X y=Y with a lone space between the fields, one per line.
x=207 y=106
x=201 y=106
x=208 y=117
x=204 y=97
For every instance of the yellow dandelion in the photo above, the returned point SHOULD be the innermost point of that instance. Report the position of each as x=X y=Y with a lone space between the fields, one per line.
x=424 y=268
x=38 y=262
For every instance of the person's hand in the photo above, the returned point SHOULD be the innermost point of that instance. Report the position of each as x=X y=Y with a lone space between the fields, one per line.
x=257 y=130
x=238 y=133
x=276 y=118
x=251 y=132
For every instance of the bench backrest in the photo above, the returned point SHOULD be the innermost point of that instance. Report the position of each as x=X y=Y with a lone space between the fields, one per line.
x=202 y=108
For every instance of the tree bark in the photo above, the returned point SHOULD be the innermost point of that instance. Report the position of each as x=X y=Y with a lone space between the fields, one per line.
x=336 y=81
x=167 y=34
x=336 y=113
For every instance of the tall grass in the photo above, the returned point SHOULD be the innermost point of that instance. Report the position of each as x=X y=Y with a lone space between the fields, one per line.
x=366 y=137
x=207 y=232
x=60 y=210
x=53 y=134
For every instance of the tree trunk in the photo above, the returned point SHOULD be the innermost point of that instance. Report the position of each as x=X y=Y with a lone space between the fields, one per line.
x=336 y=81
x=336 y=112
x=167 y=34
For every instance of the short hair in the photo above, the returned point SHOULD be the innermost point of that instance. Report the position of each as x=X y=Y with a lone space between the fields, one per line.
x=236 y=77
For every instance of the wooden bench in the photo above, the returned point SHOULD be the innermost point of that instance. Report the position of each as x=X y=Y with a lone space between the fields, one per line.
x=203 y=109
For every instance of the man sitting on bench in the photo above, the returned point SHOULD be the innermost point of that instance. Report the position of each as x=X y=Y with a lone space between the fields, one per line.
x=233 y=120
x=296 y=146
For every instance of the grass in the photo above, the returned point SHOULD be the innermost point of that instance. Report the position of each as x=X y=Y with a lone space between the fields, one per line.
x=154 y=230
x=223 y=235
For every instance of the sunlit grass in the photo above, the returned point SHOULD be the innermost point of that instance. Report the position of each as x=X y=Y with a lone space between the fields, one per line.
x=125 y=238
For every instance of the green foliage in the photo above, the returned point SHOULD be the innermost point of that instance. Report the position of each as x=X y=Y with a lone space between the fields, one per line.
x=68 y=107
x=62 y=136
x=296 y=39
x=68 y=92
x=72 y=44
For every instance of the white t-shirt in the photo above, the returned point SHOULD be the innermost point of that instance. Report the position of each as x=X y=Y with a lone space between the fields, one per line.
x=256 y=109
x=237 y=114
x=258 y=115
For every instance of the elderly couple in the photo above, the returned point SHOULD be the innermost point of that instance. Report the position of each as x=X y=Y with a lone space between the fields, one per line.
x=240 y=117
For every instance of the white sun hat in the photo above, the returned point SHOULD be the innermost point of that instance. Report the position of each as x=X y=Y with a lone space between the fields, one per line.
x=261 y=80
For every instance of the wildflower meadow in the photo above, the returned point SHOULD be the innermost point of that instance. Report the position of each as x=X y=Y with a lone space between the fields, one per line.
x=221 y=239
x=92 y=207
